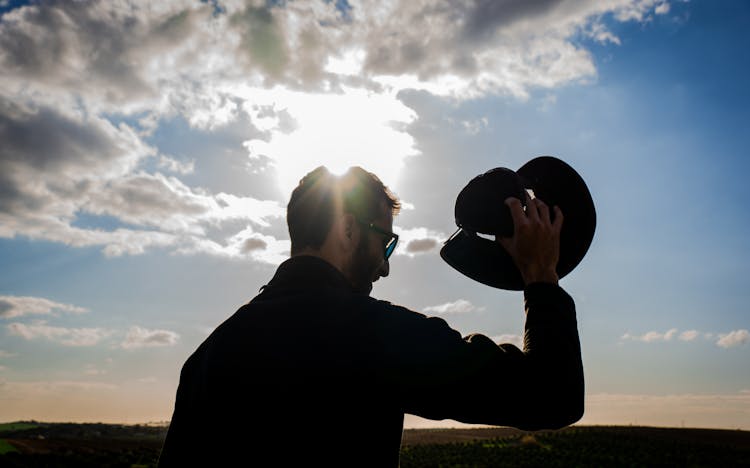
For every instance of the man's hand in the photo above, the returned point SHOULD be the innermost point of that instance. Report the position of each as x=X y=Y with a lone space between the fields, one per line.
x=535 y=245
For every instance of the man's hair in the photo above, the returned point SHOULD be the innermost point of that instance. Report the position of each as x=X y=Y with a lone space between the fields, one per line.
x=311 y=208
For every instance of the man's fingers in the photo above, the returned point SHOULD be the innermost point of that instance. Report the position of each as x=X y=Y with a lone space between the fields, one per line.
x=532 y=211
x=543 y=211
x=516 y=210
x=557 y=225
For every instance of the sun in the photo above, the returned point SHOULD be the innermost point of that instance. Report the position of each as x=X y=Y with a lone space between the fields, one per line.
x=354 y=127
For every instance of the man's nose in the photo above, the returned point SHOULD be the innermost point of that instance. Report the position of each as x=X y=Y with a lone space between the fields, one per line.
x=385 y=268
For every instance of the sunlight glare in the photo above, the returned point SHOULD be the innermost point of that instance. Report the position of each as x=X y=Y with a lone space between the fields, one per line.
x=348 y=63
x=356 y=127
x=337 y=170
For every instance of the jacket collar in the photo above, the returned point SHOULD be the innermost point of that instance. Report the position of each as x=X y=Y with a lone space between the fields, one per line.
x=307 y=272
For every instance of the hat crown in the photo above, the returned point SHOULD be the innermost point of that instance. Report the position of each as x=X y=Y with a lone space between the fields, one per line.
x=480 y=208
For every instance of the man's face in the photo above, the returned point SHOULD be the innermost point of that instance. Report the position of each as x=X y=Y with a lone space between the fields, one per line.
x=368 y=261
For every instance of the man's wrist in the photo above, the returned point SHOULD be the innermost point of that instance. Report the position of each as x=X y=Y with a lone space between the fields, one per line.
x=543 y=276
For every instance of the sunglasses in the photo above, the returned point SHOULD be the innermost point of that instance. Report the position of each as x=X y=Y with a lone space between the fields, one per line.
x=390 y=244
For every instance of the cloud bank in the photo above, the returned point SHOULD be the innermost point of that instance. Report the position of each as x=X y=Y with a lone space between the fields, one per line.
x=138 y=337
x=84 y=85
x=733 y=338
x=459 y=306
x=17 y=306
x=726 y=340
x=63 y=335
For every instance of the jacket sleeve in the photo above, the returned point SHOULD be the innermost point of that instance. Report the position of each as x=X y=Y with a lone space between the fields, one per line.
x=437 y=374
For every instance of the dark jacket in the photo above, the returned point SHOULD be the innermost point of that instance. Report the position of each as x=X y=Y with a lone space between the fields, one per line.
x=310 y=373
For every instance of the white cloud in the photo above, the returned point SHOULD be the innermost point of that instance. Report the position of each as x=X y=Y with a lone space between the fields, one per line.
x=17 y=306
x=174 y=165
x=733 y=338
x=470 y=127
x=725 y=340
x=152 y=200
x=459 y=306
x=652 y=336
x=62 y=335
x=421 y=245
x=116 y=243
x=473 y=127
x=419 y=240
x=233 y=207
x=601 y=34
x=246 y=244
x=640 y=10
x=138 y=337
x=662 y=9
x=689 y=335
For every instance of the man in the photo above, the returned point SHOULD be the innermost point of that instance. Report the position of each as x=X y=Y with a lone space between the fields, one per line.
x=315 y=372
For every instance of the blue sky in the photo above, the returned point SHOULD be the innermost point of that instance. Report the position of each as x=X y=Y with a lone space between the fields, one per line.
x=144 y=180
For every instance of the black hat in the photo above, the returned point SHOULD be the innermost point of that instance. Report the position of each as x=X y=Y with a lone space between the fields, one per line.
x=480 y=209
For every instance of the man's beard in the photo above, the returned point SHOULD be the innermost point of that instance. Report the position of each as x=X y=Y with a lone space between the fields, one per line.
x=361 y=268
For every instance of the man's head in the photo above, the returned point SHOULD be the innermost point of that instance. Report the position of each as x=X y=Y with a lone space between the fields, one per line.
x=344 y=220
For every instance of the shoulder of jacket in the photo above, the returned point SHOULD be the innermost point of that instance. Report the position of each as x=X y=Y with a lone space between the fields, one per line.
x=388 y=310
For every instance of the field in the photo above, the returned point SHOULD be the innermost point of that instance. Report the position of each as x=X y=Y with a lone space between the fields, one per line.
x=133 y=446
x=16 y=426
x=589 y=447
x=6 y=447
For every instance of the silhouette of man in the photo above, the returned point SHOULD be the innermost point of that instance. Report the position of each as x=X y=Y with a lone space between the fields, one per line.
x=315 y=372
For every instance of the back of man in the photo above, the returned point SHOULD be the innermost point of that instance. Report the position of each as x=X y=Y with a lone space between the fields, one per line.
x=288 y=378
x=314 y=371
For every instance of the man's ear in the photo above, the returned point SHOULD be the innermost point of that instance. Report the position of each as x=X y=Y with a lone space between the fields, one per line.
x=350 y=231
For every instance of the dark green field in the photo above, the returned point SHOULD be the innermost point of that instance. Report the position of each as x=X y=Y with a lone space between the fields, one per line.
x=590 y=447
x=6 y=447
x=130 y=446
x=16 y=426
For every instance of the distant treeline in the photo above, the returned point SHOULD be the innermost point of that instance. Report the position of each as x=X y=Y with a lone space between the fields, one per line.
x=32 y=444
x=41 y=430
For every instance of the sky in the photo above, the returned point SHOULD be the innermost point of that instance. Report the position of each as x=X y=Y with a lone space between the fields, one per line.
x=148 y=149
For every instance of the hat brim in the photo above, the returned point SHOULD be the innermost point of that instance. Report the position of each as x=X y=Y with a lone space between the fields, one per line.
x=482 y=260
x=554 y=182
